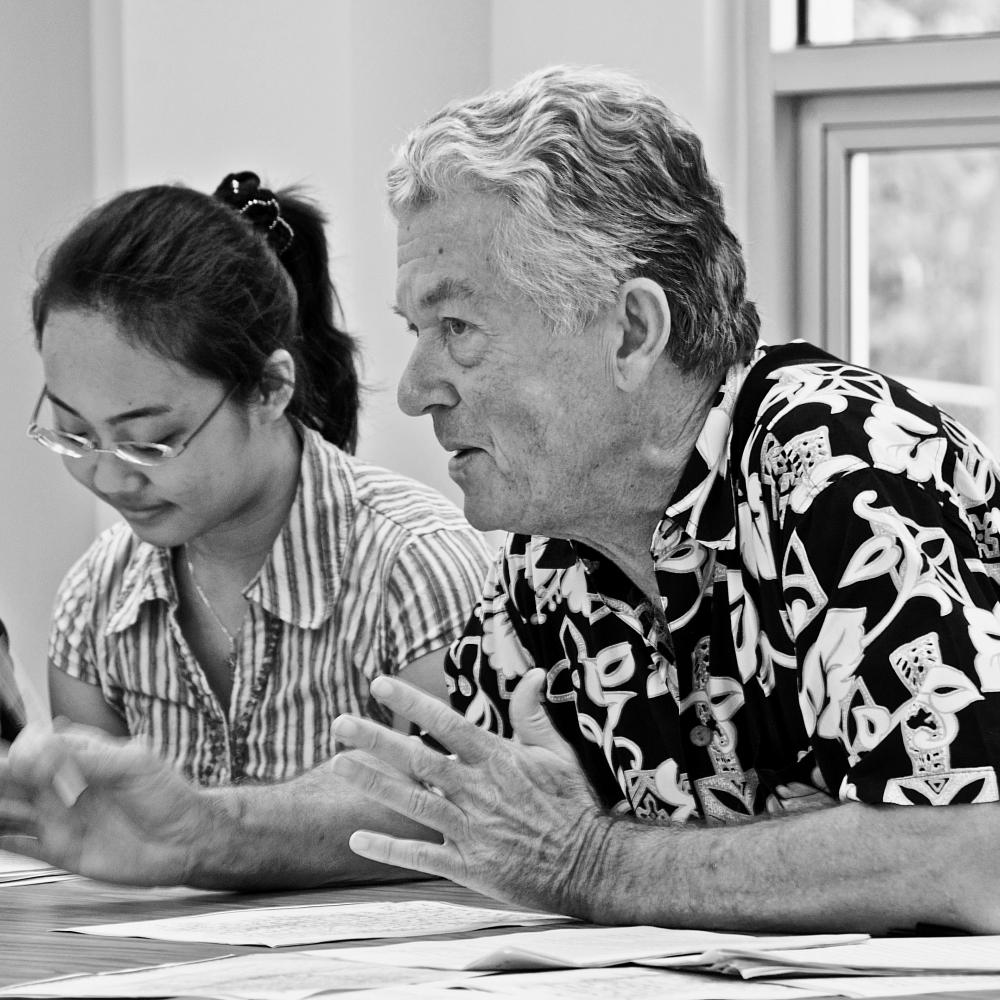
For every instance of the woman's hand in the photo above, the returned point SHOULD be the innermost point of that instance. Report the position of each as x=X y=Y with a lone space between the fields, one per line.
x=136 y=821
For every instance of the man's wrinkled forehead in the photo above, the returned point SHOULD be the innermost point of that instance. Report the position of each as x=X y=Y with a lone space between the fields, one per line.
x=443 y=254
x=466 y=218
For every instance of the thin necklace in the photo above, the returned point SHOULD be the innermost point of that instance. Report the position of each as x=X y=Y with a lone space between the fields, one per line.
x=208 y=604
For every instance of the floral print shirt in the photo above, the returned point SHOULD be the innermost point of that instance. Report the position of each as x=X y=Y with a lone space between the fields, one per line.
x=829 y=574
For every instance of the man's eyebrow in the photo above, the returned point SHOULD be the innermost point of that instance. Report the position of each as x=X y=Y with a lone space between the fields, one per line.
x=445 y=290
x=120 y=418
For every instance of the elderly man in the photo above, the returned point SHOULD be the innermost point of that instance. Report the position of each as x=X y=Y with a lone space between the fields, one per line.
x=744 y=582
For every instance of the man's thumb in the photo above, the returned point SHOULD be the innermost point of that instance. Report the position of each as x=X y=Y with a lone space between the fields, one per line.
x=530 y=721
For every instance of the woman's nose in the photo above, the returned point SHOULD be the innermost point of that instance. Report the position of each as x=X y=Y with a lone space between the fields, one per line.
x=111 y=475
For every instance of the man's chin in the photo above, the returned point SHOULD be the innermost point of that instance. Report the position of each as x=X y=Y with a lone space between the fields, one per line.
x=484 y=516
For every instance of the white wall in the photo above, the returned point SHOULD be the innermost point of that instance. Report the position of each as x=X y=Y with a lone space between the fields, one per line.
x=689 y=53
x=45 y=180
x=310 y=91
x=102 y=94
x=409 y=59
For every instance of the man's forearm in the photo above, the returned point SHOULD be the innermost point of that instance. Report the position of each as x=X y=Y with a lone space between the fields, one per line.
x=849 y=867
x=291 y=835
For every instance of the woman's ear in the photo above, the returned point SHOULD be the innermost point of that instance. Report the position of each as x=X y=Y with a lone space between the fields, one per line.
x=277 y=384
x=643 y=316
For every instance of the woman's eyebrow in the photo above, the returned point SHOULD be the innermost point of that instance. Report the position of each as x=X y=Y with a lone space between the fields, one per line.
x=119 y=418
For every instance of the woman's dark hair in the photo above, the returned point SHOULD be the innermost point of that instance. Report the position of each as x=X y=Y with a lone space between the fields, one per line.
x=199 y=281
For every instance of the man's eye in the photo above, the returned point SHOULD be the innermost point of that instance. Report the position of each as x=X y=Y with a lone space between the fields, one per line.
x=454 y=327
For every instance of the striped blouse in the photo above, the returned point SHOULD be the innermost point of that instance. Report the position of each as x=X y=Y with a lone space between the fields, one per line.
x=371 y=571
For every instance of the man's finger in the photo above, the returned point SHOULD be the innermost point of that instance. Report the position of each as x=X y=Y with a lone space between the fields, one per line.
x=529 y=720
x=376 y=763
x=416 y=855
x=405 y=795
x=467 y=741
x=397 y=753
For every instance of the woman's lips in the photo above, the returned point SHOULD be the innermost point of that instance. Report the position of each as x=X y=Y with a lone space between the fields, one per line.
x=141 y=513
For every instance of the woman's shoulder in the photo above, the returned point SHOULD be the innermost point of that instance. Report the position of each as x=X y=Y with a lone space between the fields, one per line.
x=384 y=494
x=400 y=498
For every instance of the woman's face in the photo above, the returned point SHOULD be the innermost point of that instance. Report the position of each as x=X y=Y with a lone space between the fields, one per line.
x=105 y=389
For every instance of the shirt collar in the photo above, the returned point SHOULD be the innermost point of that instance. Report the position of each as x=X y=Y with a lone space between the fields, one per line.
x=147 y=576
x=701 y=508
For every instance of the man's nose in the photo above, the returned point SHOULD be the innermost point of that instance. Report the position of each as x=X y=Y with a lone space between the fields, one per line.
x=423 y=385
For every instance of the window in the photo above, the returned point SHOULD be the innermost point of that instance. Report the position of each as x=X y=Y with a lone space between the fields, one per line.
x=894 y=159
x=924 y=260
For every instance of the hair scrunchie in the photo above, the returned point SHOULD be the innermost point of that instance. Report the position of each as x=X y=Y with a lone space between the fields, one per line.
x=243 y=193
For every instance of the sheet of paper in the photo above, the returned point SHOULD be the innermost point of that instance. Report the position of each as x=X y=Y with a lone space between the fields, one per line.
x=958 y=954
x=754 y=945
x=279 y=926
x=16 y=869
x=629 y=983
x=423 y=991
x=897 y=986
x=287 y=975
x=18 y=864
x=560 y=948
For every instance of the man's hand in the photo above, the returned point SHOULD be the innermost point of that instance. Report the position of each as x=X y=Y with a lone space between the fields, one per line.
x=137 y=820
x=519 y=822
x=518 y=817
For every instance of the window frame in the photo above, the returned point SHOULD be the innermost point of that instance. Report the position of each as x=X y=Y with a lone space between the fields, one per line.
x=878 y=66
x=832 y=128
x=786 y=181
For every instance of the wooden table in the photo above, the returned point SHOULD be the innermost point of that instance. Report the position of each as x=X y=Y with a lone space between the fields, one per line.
x=29 y=949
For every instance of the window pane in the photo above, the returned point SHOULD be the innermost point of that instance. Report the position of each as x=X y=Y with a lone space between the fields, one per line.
x=838 y=22
x=925 y=275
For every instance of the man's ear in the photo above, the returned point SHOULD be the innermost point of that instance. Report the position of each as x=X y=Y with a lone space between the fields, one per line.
x=277 y=384
x=643 y=318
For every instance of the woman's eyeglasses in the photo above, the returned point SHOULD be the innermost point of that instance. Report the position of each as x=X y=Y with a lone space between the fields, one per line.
x=133 y=452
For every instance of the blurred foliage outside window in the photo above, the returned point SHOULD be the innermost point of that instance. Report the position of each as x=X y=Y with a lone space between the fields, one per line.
x=841 y=22
x=933 y=275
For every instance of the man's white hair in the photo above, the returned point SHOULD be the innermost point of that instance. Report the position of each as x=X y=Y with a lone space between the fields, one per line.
x=602 y=183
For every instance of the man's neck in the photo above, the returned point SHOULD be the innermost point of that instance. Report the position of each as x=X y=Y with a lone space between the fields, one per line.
x=647 y=476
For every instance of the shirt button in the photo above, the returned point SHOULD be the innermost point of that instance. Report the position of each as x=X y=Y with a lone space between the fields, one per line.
x=701 y=736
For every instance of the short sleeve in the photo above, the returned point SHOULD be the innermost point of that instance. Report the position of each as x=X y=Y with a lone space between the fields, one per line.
x=433 y=586
x=71 y=639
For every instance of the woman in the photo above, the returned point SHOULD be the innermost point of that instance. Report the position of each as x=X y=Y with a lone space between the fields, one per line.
x=197 y=381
